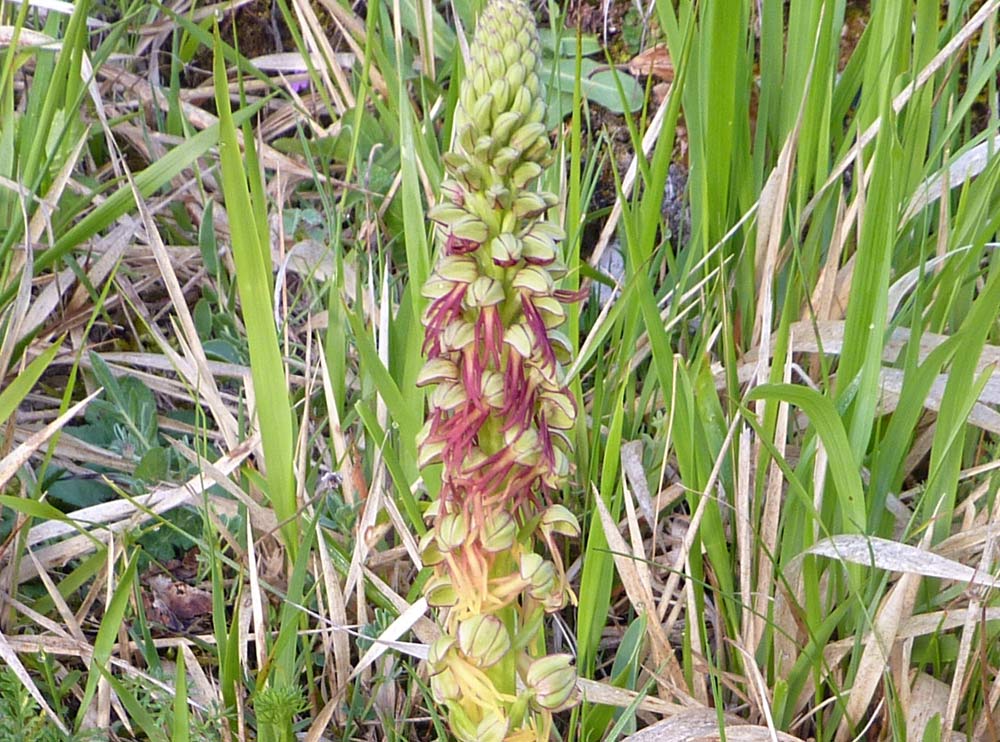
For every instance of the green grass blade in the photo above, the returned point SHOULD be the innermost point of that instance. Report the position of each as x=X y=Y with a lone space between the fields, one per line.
x=252 y=255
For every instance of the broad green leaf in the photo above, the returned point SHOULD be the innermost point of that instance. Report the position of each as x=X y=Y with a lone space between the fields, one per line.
x=598 y=84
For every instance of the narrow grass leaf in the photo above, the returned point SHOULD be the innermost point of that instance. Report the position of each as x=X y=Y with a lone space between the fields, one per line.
x=138 y=714
x=179 y=730
x=17 y=390
x=827 y=422
x=880 y=553
x=253 y=276
x=107 y=634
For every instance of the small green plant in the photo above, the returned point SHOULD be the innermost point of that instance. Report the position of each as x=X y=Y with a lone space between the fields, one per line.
x=276 y=707
x=21 y=719
x=499 y=407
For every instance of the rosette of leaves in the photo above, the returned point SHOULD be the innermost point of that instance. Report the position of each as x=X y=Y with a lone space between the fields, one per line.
x=499 y=408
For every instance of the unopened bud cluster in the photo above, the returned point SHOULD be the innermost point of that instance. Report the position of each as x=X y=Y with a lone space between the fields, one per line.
x=499 y=408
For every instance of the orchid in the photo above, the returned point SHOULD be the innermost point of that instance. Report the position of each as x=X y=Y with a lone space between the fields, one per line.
x=499 y=407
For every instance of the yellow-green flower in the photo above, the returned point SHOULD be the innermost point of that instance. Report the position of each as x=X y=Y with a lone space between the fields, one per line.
x=499 y=407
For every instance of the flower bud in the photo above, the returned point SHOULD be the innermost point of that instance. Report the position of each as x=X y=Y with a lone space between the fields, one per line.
x=436 y=287
x=501 y=92
x=471 y=229
x=497 y=196
x=439 y=592
x=554 y=477
x=437 y=653
x=448 y=396
x=558 y=519
x=526 y=171
x=524 y=445
x=528 y=136
x=492 y=727
x=491 y=388
x=452 y=531
x=485 y=292
x=505 y=249
x=430 y=554
x=559 y=410
x=458 y=268
x=539 y=573
x=483 y=639
x=552 y=313
x=515 y=75
x=528 y=205
x=533 y=279
x=457 y=335
x=430 y=453
x=445 y=687
x=446 y=213
x=436 y=371
x=520 y=338
x=499 y=532
x=552 y=681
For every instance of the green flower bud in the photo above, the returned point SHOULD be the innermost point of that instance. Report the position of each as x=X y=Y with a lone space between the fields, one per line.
x=527 y=136
x=559 y=410
x=515 y=76
x=481 y=114
x=452 y=531
x=457 y=335
x=446 y=213
x=552 y=681
x=491 y=387
x=525 y=172
x=445 y=687
x=533 y=279
x=448 y=396
x=440 y=593
x=435 y=288
x=485 y=292
x=497 y=196
x=499 y=532
x=529 y=205
x=555 y=477
x=558 y=519
x=492 y=727
x=436 y=371
x=511 y=54
x=539 y=249
x=483 y=639
x=429 y=453
x=523 y=101
x=524 y=445
x=471 y=229
x=483 y=147
x=553 y=315
x=520 y=338
x=437 y=653
x=539 y=573
x=430 y=554
x=505 y=249
x=501 y=92
x=459 y=268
